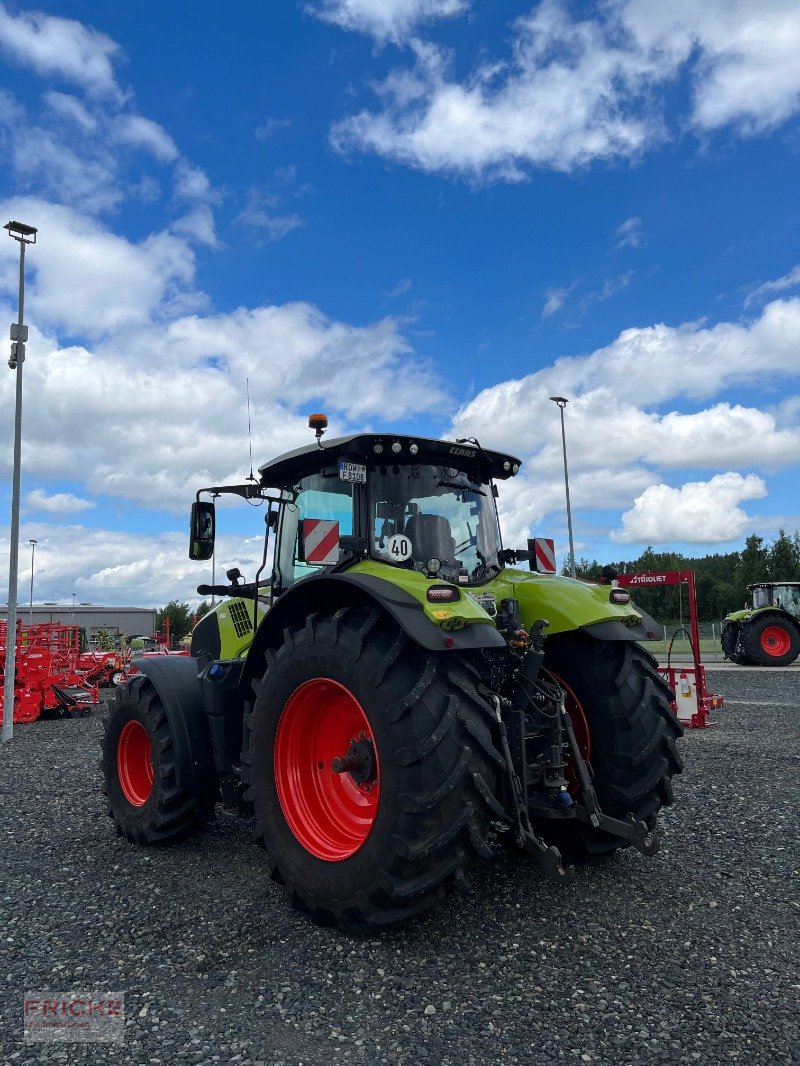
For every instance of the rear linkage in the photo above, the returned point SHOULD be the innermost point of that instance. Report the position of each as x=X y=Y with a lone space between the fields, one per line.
x=535 y=731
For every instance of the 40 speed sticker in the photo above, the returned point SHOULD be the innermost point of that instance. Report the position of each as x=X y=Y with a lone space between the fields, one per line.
x=398 y=548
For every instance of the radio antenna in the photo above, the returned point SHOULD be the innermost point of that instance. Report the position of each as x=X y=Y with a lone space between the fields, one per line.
x=249 y=431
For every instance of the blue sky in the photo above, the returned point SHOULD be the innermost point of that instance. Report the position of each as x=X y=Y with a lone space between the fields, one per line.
x=424 y=214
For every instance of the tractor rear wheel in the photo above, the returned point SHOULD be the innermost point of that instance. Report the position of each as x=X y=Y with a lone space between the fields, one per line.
x=620 y=709
x=771 y=641
x=139 y=764
x=371 y=770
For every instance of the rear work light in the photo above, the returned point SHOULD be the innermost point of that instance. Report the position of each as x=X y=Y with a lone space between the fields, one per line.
x=442 y=594
x=619 y=596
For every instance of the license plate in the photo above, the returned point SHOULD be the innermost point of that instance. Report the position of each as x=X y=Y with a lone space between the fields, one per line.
x=353 y=472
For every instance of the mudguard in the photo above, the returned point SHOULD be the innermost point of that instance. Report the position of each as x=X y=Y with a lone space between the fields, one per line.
x=328 y=593
x=175 y=680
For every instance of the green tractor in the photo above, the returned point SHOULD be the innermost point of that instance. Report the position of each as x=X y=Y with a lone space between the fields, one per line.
x=768 y=633
x=395 y=699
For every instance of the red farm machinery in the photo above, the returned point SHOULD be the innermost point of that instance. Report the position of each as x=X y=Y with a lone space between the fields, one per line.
x=49 y=678
x=692 y=701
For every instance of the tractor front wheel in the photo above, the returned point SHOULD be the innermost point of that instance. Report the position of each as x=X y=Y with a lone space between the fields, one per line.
x=620 y=709
x=771 y=641
x=732 y=645
x=139 y=764
x=371 y=770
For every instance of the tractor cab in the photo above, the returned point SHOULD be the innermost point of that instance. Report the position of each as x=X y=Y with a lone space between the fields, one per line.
x=409 y=503
x=785 y=595
x=402 y=502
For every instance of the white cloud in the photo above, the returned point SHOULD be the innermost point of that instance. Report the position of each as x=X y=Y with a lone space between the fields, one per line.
x=629 y=233
x=699 y=512
x=577 y=91
x=261 y=216
x=191 y=183
x=562 y=102
x=148 y=407
x=270 y=127
x=52 y=45
x=115 y=568
x=113 y=283
x=644 y=367
x=69 y=107
x=746 y=71
x=386 y=19
x=769 y=288
x=400 y=289
x=46 y=162
x=619 y=437
x=143 y=133
x=199 y=225
x=56 y=503
x=554 y=300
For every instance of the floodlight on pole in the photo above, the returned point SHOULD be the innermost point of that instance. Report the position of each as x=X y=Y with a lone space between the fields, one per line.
x=33 y=544
x=23 y=234
x=561 y=402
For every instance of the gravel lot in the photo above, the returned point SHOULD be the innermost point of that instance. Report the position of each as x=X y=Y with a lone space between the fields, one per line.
x=691 y=957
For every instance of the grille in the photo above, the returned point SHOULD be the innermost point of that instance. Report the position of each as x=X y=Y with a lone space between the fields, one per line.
x=240 y=616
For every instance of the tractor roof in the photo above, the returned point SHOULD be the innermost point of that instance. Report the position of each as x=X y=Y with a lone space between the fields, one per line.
x=363 y=448
x=772 y=584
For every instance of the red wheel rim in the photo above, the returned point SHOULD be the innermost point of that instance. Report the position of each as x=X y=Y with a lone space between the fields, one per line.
x=330 y=814
x=580 y=727
x=135 y=763
x=775 y=640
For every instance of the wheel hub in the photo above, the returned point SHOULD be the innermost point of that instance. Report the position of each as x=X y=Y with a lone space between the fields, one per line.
x=359 y=762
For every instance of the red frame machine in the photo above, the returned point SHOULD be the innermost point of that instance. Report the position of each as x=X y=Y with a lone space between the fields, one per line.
x=47 y=678
x=687 y=682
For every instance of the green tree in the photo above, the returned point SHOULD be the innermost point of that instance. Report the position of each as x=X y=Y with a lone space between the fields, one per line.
x=784 y=558
x=753 y=566
x=180 y=621
x=202 y=610
x=104 y=641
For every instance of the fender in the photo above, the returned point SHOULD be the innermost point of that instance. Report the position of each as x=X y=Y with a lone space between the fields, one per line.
x=572 y=605
x=175 y=680
x=330 y=592
x=777 y=613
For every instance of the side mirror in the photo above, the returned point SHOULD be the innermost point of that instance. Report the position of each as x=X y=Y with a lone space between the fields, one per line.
x=202 y=528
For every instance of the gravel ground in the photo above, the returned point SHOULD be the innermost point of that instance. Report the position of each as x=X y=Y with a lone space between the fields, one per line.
x=691 y=957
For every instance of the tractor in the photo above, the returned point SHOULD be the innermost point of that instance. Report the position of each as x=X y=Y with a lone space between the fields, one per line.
x=768 y=633
x=391 y=697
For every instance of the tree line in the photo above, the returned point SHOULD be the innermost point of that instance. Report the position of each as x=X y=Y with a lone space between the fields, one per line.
x=722 y=579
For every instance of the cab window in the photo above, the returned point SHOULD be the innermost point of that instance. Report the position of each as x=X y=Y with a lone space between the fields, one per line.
x=319 y=510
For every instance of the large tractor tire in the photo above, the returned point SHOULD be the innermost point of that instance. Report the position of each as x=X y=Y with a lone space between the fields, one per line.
x=771 y=640
x=393 y=832
x=620 y=710
x=139 y=764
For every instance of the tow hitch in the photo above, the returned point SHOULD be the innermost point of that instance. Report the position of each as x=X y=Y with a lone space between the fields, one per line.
x=537 y=737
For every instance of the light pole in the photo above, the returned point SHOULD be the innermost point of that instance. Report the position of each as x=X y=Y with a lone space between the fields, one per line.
x=33 y=544
x=19 y=334
x=561 y=402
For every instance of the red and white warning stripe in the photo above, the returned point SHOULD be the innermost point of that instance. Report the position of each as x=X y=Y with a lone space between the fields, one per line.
x=321 y=541
x=545 y=551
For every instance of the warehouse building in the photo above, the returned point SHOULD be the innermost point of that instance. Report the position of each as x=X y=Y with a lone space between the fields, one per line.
x=117 y=621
